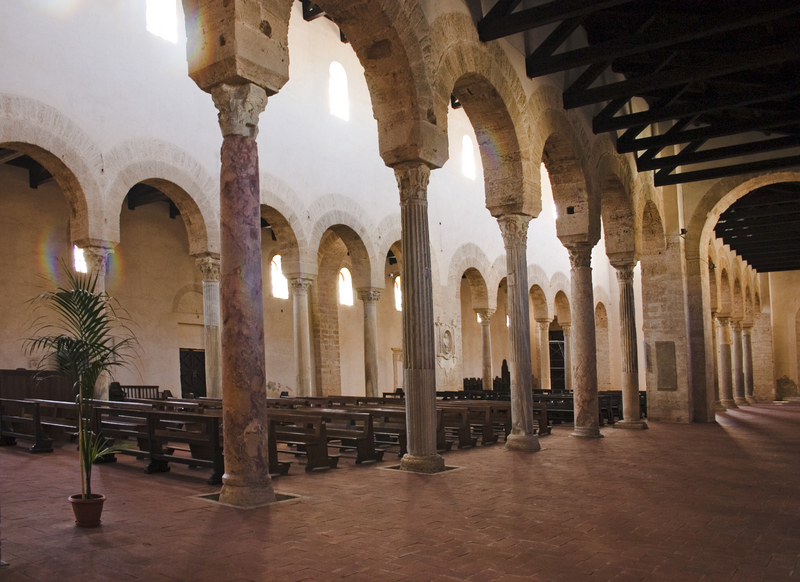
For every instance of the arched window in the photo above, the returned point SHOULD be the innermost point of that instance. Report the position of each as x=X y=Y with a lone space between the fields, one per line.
x=468 y=157
x=398 y=294
x=280 y=286
x=162 y=19
x=345 y=287
x=337 y=92
x=79 y=260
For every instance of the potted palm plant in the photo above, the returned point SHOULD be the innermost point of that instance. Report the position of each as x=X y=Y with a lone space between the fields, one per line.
x=82 y=334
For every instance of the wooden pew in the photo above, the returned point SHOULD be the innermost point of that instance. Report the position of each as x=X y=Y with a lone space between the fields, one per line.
x=305 y=430
x=354 y=430
x=18 y=414
x=134 y=392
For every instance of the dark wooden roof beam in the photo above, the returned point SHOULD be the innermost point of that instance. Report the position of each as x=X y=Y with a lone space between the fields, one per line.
x=6 y=155
x=666 y=179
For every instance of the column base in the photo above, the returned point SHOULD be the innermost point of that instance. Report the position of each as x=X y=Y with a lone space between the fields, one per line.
x=751 y=400
x=247 y=496
x=415 y=464
x=740 y=401
x=592 y=432
x=728 y=404
x=523 y=442
x=718 y=406
x=631 y=424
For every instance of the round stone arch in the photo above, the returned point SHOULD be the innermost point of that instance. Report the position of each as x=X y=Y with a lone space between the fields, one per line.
x=617 y=209
x=471 y=261
x=282 y=208
x=602 y=330
x=392 y=41
x=737 y=298
x=171 y=170
x=560 y=291
x=481 y=77
x=725 y=291
x=52 y=139
x=713 y=277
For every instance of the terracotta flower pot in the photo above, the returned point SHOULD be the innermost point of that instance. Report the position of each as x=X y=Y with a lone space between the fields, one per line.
x=87 y=511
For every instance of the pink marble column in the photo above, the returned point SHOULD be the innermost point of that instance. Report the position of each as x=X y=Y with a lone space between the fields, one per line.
x=246 y=481
x=583 y=346
x=486 y=347
x=302 y=336
x=96 y=258
x=738 y=364
x=514 y=228
x=630 y=353
x=419 y=350
x=747 y=362
x=543 y=327
x=370 y=298
x=209 y=266
x=725 y=369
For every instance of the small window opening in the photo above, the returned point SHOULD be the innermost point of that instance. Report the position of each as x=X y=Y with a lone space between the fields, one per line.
x=570 y=210
x=79 y=260
x=162 y=19
x=468 y=157
x=398 y=294
x=345 y=287
x=337 y=88
x=508 y=321
x=280 y=285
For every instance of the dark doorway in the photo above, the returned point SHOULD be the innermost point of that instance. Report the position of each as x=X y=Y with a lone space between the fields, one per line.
x=193 y=373
x=558 y=377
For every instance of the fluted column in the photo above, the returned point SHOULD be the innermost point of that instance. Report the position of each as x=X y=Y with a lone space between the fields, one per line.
x=486 y=347
x=514 y=228
x=738 y=371
x=543 y=327
x=630 y=353
x=715 y=341
x=419 y=351
x=370 y=299
x=583 y=347
x=96 y=258
x=566 y=330
x=244 y=389
x=302 y=336
x=209 y=267
x=747 y=363
x=725 y=375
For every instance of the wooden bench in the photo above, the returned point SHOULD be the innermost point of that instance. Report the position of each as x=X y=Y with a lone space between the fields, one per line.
x=354 y=431
x=18 y=414
x=132 y=392
x=306 y=431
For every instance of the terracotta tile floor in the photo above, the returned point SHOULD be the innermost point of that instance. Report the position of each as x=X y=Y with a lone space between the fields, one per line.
x=674 y=503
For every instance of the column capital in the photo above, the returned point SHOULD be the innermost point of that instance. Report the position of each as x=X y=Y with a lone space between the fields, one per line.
x=239 y=107
x=96 y=259
x=544 y=323
x=736 y=325
x=412 y=181
x=514 y=228
x=485 y=315
x=209 y=267
x=580 y=254
x=625 y=273
x=300 y=284
x=747 y=328
x=369 y=294
x=565 y=327
x=723 y=319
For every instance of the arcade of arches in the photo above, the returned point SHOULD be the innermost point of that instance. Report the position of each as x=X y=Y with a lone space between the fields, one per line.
x=550 y=253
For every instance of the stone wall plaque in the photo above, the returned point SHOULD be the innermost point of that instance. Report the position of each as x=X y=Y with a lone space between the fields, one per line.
x=667 y=366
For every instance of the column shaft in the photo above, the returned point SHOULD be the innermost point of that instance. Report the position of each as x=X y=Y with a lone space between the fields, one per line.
x=747 y=364
x=514 y=229
x=486 y=348
x=630 y=353
x=209 y=266
x=244 y=391
x=302 y=336
x=543 y=327
x=418 y=327
x=583 y=346
x=370 y=299
x=97 y=263
x=566 y=330
x=738 y=370
x=725 y=375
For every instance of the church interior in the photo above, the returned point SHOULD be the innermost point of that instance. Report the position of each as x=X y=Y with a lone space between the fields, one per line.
x=577 y=209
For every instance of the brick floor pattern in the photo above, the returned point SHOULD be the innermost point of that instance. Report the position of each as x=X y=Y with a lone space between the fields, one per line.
x=674 y=503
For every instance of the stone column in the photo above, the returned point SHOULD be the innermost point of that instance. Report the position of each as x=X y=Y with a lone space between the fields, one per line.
x=566 y=330
x=397 y=367
x=209 y=266
x=96 y=258
x=543 y=327
x=514 y=228
x=736 y=355
x=370 y=299
x=246 y=481
x=725 y=376
x=302 y=336
x=715 y=342
x=747 y=363
x=583 y=346
x=486 y=347
x=630 y=354
x=419 y=350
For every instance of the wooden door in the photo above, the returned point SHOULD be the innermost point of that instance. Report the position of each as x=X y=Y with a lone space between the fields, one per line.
x=193 y=373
